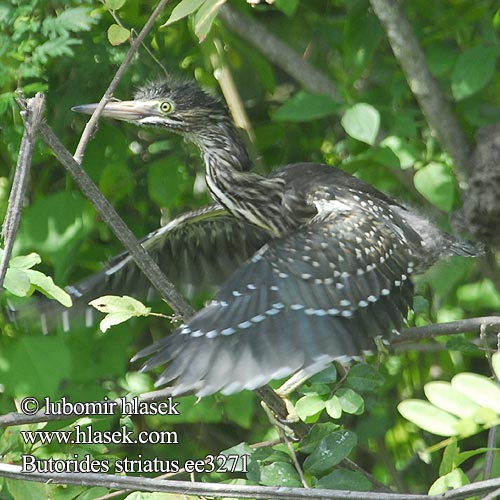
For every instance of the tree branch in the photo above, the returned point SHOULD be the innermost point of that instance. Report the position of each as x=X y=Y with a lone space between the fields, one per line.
x=474 y=325
x=32 y=115
x=92 y=123
x=236 y=491
x=278 y=52
x=431 y=99
x=141 y=257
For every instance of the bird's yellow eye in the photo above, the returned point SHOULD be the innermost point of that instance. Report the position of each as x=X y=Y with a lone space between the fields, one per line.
x=166 y=107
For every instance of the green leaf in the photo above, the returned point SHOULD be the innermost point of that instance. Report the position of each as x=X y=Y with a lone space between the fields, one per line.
x=308 y=406
x=361 y=37
x=25 y=261
x=444 y=396
x=287 y=6
x=118 y=309
x=70 y=20
x=113 y=319
x=17 y=282
x=183 y=9
x=240 y=450
x=428 y=417
x=462 y=457
x=113 y=303
x=333 y=407
x=361 y=122
x=363 y=378
x=305 y=106
x=315 y=435
x=279 y=474
x=114 y=4
x=450 y=457
x=473 y=70
x=326 y=376
x=441 y=59
x=347 y=480
x=404 y=151
x=118 y=34
x=351 y=401
x=204 y=18
x=452 y=480
x=27 y=490
x=46 y=285
x=331 y=451
x=435 y=182
x=495 y=362
x=36 y=366
x=480 y=389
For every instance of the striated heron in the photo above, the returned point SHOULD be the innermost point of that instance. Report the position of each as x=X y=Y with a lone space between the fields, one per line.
x=319 y=262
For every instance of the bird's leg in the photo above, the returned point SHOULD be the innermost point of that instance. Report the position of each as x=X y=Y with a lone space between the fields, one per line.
x=279 y=423
x=279 y=411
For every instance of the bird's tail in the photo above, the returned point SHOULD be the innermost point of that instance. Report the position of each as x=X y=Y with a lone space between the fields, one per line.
x=466 y=248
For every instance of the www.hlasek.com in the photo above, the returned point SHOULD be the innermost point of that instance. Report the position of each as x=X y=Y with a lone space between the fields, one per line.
x=86 y=434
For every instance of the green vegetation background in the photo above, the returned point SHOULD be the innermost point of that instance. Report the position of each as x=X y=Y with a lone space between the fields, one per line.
x=62 y=49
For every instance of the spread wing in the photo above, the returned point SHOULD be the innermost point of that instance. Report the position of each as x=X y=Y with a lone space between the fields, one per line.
x=200 y=248
x=303 y=300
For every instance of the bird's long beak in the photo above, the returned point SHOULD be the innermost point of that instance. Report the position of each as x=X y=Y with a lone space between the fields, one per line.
x=129 y=111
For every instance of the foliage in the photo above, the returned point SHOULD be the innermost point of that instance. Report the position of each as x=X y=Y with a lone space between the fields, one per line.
x=373 y=128
x=22 y=281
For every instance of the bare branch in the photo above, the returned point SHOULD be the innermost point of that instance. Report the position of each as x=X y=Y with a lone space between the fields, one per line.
x=92 y=123
x=431 y=99
x=236 y=491
x=32 y=115
x=473 y=325
x=278 y=52
x=116 y=224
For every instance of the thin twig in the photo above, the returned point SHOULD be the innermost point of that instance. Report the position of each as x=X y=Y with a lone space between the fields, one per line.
x=278 y=52
x=429 y=95
x=92 y=123
x=32 y=116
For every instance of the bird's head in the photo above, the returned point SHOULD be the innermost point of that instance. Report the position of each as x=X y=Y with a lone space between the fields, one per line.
x=179 y=106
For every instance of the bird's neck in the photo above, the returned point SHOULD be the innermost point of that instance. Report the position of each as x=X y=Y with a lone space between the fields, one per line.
x=257 y=199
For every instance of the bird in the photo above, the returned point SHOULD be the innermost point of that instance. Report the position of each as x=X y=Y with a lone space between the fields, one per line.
x=313 y=263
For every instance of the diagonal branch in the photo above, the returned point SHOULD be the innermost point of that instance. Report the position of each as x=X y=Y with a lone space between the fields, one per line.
x=426 y=89
x=141 y=257
x=92 y=123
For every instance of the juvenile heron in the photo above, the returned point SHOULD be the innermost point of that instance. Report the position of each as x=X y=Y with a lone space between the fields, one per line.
x=323 y=259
